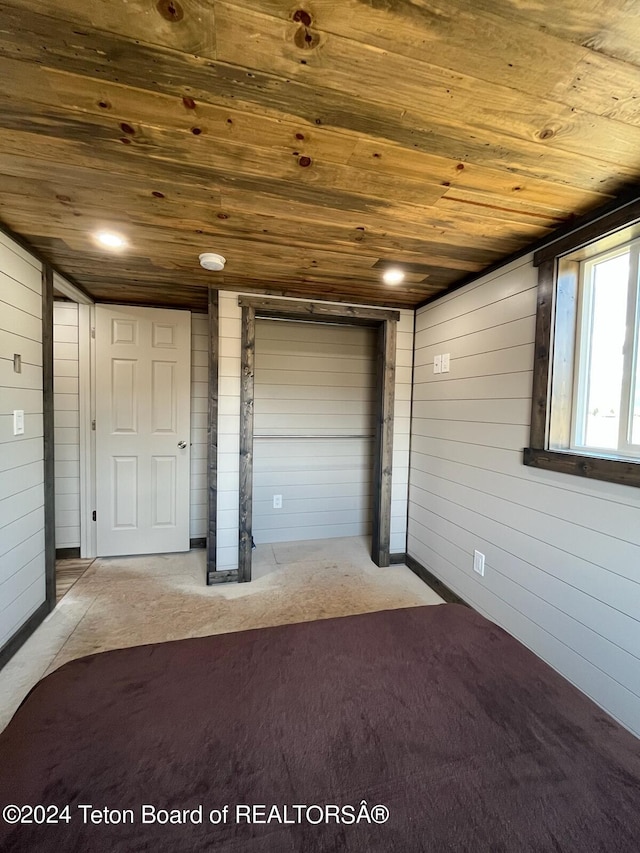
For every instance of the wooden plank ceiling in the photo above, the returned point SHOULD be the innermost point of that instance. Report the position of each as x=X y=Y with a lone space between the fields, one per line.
x=312 y=143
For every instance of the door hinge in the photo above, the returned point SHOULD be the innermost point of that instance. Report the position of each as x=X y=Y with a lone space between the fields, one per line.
x=93 y=515
x=93 y=424
x=93 y=332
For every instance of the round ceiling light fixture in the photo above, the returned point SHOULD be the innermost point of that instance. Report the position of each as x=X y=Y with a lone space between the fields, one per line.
x=212 y=261
x=393 y=276
x=110 y=240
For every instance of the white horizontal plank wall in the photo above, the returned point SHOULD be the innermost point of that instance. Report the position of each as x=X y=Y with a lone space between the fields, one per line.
x=401 y=433
x=562 y=552
x=229 y=360
x=230 y=316
x=67 y=425
x=199 y=408
x=22 y=561
x=312 y=380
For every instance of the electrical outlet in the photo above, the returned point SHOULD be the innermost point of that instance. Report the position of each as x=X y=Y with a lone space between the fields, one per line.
x=445 y=361
x=277 y=501
x=478 y=563
x=437 y=364
x=18 y=421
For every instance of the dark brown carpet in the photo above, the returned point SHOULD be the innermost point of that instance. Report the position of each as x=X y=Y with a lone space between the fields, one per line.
x=470 y=741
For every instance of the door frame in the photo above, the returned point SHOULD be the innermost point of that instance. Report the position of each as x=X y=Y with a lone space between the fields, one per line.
x=86 y=408
x=385 y=322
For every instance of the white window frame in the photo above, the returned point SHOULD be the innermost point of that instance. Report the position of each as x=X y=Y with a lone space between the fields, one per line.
x=625 y=449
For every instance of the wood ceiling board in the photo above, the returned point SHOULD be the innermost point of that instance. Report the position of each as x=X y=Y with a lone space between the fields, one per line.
x=120 y=103
x=395 y=159
x=604 y=87
x=463 y=36
x=430 y=130
x=184 y=25
x=362 y=134
x=273 y=45
x=459 y=34
x=87 y=157
x=201 y=221
x=469 y=220
x=361 y=279
x=505 y=210
x=610 y=27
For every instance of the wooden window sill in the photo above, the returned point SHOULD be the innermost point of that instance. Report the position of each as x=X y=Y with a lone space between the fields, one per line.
x=597 y=468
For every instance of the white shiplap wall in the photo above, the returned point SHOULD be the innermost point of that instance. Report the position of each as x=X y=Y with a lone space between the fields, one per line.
x=562 y=552
x=401 y=433
x=66 y=421
x=22 y=562
x=311 y=380
x=229 y=338
x=199 y=410
x=229 y=426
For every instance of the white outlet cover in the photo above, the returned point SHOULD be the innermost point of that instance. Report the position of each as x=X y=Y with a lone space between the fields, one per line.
x=445 y=362
x=277 y=501
x=478 y=563
x=437 y=364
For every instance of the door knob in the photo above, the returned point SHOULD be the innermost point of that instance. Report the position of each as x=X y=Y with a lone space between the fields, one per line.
x=182 y=445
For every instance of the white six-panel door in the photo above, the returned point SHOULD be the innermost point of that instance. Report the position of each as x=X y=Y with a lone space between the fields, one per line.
x=143 y=372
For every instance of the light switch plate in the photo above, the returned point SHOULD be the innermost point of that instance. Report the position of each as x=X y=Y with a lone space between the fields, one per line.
x=437 y=364
x=445 y=362
x=18 y=421
x=277 y=501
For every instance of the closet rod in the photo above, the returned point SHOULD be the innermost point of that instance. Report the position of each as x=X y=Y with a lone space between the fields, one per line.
x=310 y=437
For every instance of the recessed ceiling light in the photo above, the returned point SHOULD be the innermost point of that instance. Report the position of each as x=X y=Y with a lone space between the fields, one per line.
x=212 y=261
x=110 y=240
x=393 y=276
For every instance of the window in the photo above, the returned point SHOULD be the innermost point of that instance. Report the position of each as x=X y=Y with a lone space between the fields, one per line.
x=586 y=397
x=606 y=405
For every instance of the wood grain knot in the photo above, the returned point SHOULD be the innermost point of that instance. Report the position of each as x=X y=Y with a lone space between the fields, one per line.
x=299 y=135
x=170 y=10
x=547 y=133
x=188 y=103
x=104 y=105
x=157 y=194
x=126 y=128
x=222 y=215
x=301 y=16
x=196 y=131
x=305 y=38
x=304 y=162
x=460 y=167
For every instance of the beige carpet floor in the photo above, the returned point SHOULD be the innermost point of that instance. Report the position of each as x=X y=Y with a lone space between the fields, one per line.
x=121 y=602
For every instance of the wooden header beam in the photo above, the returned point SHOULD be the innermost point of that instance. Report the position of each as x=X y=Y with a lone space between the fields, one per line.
x=264 y=307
